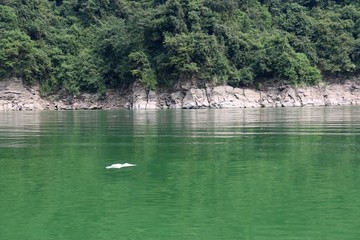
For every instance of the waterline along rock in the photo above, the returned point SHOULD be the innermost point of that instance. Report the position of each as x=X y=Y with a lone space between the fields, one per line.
x=14 y=96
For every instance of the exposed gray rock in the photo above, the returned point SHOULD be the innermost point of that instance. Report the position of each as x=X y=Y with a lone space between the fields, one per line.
x=252 y=98
x=14 y=96
x=225 y=97
x=139 y=97
x=152 y=100
x=284 y=96
x=290 y=98
x=336 y=94
x=164 y=100
x=311 y=96
x=176 y=100
x=195 y=98
x=143 y=99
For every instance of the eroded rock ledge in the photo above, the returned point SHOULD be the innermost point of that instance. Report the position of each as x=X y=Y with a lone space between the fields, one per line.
x=229 y=97
x=14 y=96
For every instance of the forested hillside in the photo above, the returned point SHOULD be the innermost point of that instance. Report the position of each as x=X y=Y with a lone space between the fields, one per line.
x=91 y=45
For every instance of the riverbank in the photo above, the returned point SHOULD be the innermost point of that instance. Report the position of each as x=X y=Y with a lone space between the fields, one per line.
x=14 y=96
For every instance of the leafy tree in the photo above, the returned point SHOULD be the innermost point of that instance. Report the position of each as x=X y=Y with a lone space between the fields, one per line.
x=112 y=46
x=141 y=69
x=90 y=45
x=197 y=55
x=279 y=60
x=334 y=42
x=19 y=57
x=8 y=18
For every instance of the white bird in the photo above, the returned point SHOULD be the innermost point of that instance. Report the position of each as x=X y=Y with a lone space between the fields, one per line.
x=120 y=165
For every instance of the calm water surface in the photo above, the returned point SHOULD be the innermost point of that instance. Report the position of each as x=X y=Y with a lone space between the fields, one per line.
x=201 y=174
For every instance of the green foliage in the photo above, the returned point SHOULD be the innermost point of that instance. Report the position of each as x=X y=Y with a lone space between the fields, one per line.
x=80 y=73
x=8 y=18
x=91 y=45
x=20 y=58
x=141 y=69
x=197 y=55
x=334 y=42
x=283 y=62
x=112 y=46
x=244 y=76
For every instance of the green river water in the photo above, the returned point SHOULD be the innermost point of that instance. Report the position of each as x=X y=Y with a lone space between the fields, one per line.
x=285 y=173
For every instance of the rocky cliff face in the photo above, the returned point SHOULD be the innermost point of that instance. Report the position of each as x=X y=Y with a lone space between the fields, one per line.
x=14 y=96
x=229 y=97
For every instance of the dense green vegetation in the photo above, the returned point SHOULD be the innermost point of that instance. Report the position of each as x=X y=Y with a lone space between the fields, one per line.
x=90 y=45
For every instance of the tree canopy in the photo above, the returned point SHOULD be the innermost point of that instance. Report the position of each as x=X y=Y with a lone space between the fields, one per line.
x=89 y=45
